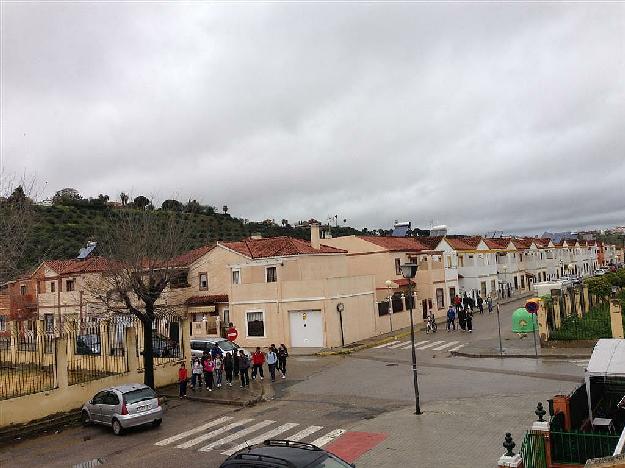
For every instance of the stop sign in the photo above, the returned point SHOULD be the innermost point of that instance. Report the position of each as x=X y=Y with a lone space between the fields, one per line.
x=232 y=334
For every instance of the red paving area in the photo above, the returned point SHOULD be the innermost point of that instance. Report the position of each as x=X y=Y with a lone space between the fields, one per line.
x=352 y=445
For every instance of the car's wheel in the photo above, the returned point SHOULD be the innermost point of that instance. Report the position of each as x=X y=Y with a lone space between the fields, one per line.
x=157 y=422
x=84 y=418
x=117 y=427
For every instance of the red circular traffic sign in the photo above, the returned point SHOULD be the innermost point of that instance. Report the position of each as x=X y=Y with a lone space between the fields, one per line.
x=232 y=334
x=532 y=307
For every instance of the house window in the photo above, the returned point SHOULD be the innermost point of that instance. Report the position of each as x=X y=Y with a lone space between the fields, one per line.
x=203 y=281
x=3 y=323
x=255 y=323
x=23 y=289
x=397 y=266
x=448 y=261
x=452 y=294
x=52 y=286
x=236 y=276
x=483 y=288
x=492 y=285
x=440 y=298
x=271 y=274
x=460 y=260
x=69 y=285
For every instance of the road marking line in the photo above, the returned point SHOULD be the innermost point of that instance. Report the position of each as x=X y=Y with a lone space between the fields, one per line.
x=257 y=440
x=237 y=435
x=210 y=435
x=386 y=344
x=305 y=433
x=430 y=345
x=329 y=437
x=446 y=345
x=419 y=343
x=403 y=343
x=195 y=430
x=457 y=347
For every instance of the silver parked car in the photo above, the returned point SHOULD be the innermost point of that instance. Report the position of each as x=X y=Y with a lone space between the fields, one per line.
x=200 y=345
x=122 y=407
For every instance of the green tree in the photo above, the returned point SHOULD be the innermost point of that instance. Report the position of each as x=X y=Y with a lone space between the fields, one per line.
x=599 y=287
x=141 y=202
x=171 y=205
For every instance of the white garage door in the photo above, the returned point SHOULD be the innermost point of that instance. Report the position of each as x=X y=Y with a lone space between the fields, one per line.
x=306 y=328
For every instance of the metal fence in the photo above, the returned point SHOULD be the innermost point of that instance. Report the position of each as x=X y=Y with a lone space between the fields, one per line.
x=165 y=340
x=26 y=365
x=577 y=447
x=533 y=451
x=595 y=324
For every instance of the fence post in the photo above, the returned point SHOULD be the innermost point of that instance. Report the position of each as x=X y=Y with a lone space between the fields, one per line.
x=41 y=340
x=62 y=368
x=130 y=343
x=616 y=319
x=586 y=299
x=541 y=427
x=185 y=338
x=556 y=313
x=105 y=346
x=14 y=340
x=543 y=329
x=510 y=459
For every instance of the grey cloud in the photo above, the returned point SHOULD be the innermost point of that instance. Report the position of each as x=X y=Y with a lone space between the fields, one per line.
x=481 y=116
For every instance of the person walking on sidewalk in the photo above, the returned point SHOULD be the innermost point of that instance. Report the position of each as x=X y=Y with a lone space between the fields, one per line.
x=218 y=370
x=282 y=355
x=469 y=320
x=209 y=368
x=216 y=351
x=258 y=359
x=462 y=318
x=182 y=381
x=457 y=303
x=272 y=360
x=480 y=304
x=451 y=318
x=235 y=364
x=228 y=366
x=244 y=366
x=489 y=301
x=196 y=373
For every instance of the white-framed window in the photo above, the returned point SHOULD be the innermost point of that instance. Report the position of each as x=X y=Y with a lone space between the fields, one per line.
x=255 y=323
x=236 y=276
x=271 y=274
x=203 y=281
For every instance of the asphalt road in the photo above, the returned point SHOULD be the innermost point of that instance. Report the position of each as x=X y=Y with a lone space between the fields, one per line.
x=361 y=406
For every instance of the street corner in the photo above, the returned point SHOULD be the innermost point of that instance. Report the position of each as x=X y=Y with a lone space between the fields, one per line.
x=352 y=445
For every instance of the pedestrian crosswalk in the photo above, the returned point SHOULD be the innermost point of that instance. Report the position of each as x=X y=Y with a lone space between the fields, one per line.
x=580 y=362
x=440 y=345
x=229 y=435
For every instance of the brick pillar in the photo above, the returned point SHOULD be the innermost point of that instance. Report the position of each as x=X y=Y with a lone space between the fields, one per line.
x=578 y=304
x=543 y=329
x=616 y=319
x=185 y=340
x=586 y=299
x=556 y=312
x=62 y=377
x=542 y=428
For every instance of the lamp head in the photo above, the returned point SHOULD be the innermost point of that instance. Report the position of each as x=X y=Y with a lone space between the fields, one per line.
x=388 y=283
x=409 y=270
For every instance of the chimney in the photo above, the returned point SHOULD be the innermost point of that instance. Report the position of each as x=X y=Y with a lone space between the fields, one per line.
x=315 y=240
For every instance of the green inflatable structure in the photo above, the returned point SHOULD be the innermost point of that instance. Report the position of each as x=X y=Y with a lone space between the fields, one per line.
x=522 y=321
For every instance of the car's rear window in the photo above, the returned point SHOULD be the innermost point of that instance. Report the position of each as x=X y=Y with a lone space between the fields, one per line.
x=141 y=394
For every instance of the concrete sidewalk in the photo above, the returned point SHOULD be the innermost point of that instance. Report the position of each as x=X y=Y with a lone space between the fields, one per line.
x=231 y=396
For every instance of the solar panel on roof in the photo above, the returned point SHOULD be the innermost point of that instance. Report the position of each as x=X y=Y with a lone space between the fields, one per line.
x=85 y=252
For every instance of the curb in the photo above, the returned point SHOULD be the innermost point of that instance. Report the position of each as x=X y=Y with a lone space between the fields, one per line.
x=346 y=351
x=526 y=356
x=50 y=424
x=241 y=403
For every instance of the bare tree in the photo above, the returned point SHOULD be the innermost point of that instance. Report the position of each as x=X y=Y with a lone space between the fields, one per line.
x=16 y=224
x=141 y=250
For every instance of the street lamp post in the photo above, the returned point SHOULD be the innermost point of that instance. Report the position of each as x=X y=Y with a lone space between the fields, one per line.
x=409 y=271
x=389 y=285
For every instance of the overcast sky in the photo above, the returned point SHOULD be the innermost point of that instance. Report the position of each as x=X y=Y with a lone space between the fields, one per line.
x=480 y=116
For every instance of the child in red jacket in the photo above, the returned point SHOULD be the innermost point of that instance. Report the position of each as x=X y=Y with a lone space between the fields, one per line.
x=182 y=380
x=258 y=359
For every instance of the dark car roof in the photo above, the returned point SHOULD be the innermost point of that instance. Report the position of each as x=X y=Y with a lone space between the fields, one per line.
x=299 y=455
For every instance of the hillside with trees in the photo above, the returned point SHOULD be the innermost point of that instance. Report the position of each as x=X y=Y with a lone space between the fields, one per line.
x=60 y=230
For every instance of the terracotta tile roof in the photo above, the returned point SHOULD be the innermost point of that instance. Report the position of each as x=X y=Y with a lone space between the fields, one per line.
x=278 y=247
x=522 y=243
x=463 y=242
x=497 y=243
x=89 y=265
x=396 y=244
x=211 y=299
x=188 y=258
x=431 y=242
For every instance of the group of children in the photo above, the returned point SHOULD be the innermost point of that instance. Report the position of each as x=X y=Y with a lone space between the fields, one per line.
x=213 y=364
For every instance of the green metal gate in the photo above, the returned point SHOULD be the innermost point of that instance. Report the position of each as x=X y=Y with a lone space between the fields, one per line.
x=533 y=451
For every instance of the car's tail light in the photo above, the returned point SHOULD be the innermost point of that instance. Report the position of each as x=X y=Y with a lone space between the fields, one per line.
x=124 y=409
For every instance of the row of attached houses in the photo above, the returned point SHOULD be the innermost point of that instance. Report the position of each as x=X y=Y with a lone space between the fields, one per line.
x=318 y=293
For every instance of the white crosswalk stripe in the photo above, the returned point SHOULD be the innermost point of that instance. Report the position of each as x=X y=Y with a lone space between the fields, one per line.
x=457 y=347
x=418 y=343
x=329 y=437
x=580 y=362
x=195 y=430
x=446 y=345
x=399 y=345
x=212 y=434
x=232 y=435
x=429 y=345
x=310 y=430
x=257 y=440
x=385 y=345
